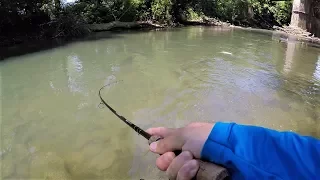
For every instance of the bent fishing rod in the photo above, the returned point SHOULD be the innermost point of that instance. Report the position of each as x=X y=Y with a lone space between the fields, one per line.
x=133 y=126
x=207 y=171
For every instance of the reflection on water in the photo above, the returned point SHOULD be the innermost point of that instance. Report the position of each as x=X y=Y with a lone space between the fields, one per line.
x=316 y=73
x=52 y=127
x=301 y=83
x=74 y=68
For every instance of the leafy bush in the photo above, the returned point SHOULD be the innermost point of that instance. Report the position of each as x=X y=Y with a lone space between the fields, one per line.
x=282 y=12
x=107 y=10
x=50 y=18
x=70 y=25
x=193 y=15
x=261 y=13
x=161 y=10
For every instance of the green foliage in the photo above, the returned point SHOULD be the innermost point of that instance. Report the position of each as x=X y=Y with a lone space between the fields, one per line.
x=104 y=11
x=192 y=15
x=231 y=10
x=282 y=12
x=261 y=13
x=161 y=10
x=67 y=25
x=51 y=18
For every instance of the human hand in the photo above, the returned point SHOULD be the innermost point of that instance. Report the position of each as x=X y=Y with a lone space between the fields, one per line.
x=189 y=140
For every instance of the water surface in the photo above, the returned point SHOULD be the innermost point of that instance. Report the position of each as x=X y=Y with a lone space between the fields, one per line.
x=52 y=127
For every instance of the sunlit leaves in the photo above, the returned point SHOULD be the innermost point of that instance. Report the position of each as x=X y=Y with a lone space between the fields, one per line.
x=161 y=9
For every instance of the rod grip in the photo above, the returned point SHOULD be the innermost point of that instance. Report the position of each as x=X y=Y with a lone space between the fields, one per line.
x=207 y=170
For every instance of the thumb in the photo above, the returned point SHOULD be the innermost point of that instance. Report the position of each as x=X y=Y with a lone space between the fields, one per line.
x=168 y=144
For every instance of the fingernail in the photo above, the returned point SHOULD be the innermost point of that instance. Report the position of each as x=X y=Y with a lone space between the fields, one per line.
x=153 y=146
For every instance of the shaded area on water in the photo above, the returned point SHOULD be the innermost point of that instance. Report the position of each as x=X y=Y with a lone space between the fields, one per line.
x=52 y=126
x=43 y=45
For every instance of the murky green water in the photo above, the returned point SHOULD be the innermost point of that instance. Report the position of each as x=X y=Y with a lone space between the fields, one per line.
x=52 y=127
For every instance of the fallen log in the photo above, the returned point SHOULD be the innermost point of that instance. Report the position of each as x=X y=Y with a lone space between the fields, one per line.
x=205 y=22
x=123 y=25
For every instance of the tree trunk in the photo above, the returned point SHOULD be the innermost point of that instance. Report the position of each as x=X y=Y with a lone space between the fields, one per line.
x=314 y=20
x=300 y=13
x=305 y=16
x=177 y=13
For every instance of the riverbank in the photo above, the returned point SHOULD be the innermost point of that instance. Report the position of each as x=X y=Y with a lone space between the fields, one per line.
x=300 y=34
x=294 y=33
x=33 y=44
x=64 y=30
x=285 y=34
x=54 y=20
x=124 y=25
x=153 y=25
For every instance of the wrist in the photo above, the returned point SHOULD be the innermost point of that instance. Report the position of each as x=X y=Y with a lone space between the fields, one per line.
x=217 y=142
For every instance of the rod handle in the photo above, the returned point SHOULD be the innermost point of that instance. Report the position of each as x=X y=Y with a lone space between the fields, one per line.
x=207 y=170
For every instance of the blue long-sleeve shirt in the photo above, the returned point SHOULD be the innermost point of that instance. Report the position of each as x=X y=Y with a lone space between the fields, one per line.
x=250 y=152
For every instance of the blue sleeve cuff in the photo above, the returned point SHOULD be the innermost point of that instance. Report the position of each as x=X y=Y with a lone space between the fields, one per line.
x=217 y=143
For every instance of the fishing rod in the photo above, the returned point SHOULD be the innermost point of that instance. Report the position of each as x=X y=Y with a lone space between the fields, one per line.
x=133 y=126
x=207 y=171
